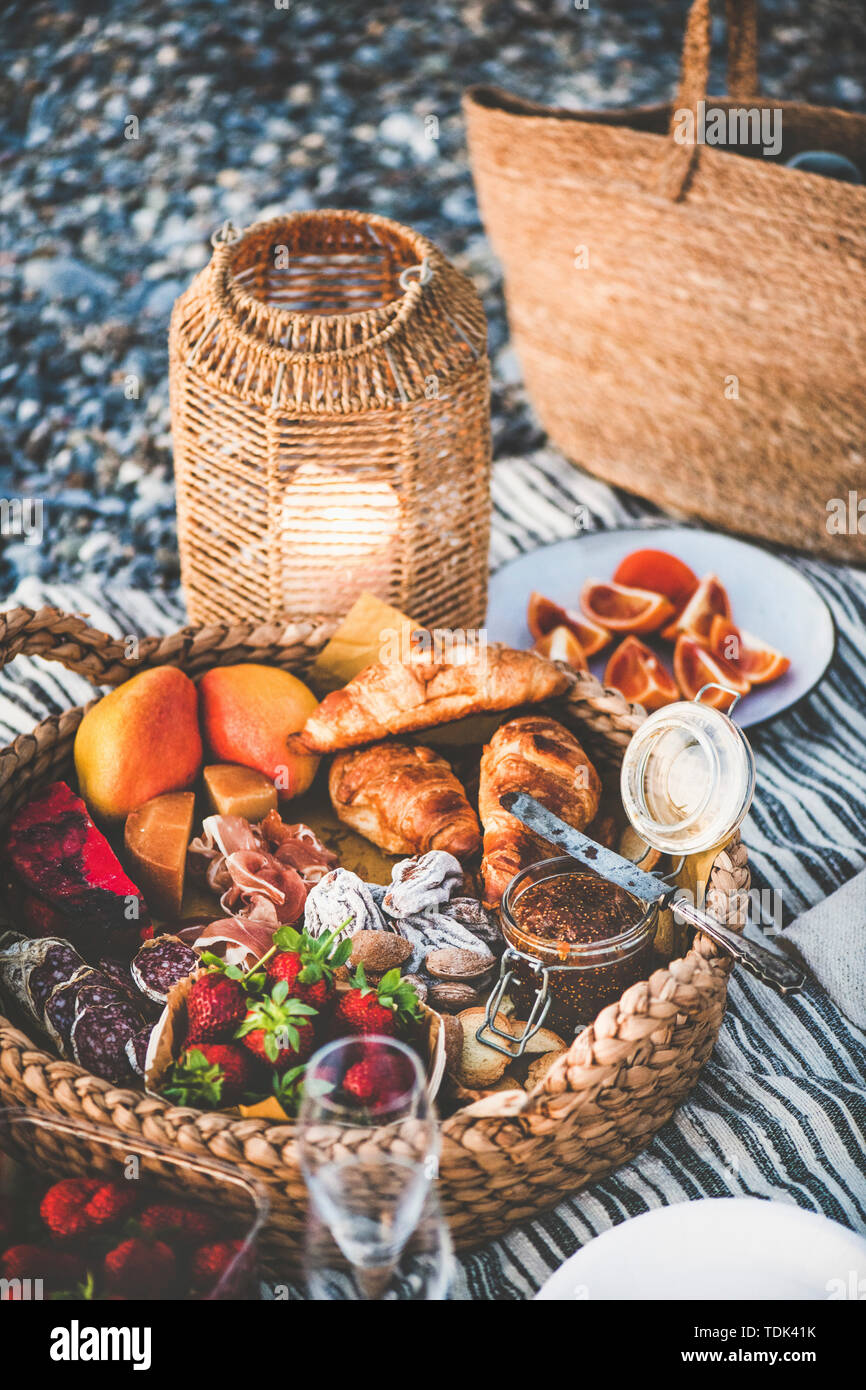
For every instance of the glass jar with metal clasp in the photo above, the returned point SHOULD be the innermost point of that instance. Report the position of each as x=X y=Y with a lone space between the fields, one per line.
x=559 y=982
x=687 y=781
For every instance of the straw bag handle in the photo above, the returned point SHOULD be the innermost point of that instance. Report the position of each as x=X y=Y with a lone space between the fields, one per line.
x=679 y=160
x=103 y=660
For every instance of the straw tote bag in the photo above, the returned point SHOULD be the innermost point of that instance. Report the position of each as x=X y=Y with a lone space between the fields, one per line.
x=690 y=317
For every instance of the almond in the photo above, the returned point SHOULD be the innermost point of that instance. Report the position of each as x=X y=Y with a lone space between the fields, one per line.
x=453 y=964
x=450 y=998
x=379 y=951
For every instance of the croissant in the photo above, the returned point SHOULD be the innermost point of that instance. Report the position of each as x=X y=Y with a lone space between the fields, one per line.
x=539 y=756
x=404 y=798
x=394 y=697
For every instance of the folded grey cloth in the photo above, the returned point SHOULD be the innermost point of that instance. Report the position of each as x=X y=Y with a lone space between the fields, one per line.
x=831 y=940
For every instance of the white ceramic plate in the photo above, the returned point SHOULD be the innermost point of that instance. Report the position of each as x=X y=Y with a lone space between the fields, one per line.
x=719 y=1247
x=769 y=598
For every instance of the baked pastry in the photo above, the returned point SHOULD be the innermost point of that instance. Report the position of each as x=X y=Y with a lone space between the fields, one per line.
x=394 y=697
x=536 y=755
x=404 y=798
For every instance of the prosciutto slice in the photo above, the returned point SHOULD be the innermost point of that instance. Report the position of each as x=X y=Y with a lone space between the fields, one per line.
x=299 y=847
x=258 y=882
x=239 y=940
x=262 y=874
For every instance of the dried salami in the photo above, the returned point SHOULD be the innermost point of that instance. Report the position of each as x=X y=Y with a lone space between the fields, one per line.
x=61 y=1006
x=136 y=1049
x=60 y=961
x=99 y=1037
x=32 y=967
x=118 y=971
x=159 y=964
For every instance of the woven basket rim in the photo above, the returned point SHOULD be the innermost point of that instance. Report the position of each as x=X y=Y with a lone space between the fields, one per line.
x=233 y=300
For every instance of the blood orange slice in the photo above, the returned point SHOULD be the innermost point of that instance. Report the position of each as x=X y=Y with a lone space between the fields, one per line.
x=638 y=674
x=560 y=644
x=543 y=615
x=695 y=666
x=660 y=572
x=709 y=599
x=624 y=609
x=753 y=659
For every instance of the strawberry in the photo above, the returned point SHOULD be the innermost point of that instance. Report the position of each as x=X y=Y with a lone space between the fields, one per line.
x=212 y=1076
x=168 y=1221
x=210 y=1262
x=378 y=1008
x=379 y=1079
x=110 y=1205
x=215 y=1005
x=140 y=1269
x=278 y=1030
x=307 y=963
x=57 y=1268
x=79 y=1206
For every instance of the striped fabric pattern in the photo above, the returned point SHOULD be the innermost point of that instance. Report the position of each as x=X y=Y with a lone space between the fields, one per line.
x=780 y=1109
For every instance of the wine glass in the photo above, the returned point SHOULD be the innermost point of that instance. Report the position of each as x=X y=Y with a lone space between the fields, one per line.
x=369 y=1147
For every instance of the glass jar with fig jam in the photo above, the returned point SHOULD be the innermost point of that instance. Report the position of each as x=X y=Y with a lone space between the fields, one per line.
x=575 y=943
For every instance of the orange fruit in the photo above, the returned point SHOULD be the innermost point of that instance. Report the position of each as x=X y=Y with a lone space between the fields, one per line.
x=660 y=572
x=560 y=644
x=624 y=609
x=695 y=666
x=709 y=599
x=543 y=615
x=753 y=659
x=638 y=674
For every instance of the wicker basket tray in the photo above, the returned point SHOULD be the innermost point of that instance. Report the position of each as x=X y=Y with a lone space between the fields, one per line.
x=503 y=1158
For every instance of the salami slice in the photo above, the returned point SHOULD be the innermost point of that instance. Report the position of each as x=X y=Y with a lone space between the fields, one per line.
x=98 y=989
x=118 y=971
x=159 y=964
x=61 y=1006
x=136 y=1049
x=99 y=1037
x=32 y=967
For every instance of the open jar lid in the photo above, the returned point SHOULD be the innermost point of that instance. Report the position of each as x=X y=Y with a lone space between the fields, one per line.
x=688 y=778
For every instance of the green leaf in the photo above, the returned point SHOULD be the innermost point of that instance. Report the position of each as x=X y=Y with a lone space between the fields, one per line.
x=389 y=981
x=279 y=991
x=272 y=1051
x=296 y=1008
x=287 y=939
x=342 y=954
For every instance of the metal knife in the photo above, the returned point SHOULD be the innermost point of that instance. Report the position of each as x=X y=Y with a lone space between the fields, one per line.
x=777 y=971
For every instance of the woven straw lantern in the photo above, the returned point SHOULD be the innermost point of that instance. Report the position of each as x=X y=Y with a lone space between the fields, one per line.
x=330 y=413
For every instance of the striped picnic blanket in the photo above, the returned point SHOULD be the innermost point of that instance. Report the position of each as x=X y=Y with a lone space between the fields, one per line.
x=780 y=1109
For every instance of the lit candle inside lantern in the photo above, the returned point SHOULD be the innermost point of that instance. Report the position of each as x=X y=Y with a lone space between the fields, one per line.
x=347 y=525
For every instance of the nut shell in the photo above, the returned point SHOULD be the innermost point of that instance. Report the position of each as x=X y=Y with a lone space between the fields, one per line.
x=379 y=951
x=450 y=997
x=456 y=965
